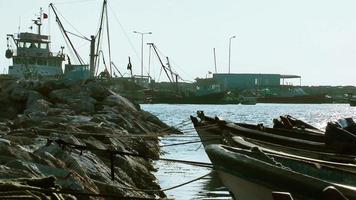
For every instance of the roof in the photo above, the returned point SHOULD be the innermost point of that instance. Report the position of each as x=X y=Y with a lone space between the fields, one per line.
x=290 y=76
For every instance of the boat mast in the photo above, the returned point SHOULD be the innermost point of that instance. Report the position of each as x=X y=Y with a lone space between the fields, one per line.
x=100 y=32
x=92 y=56
x=38 y=22
x=173 y=77
x=160 y=60
x=65 y=33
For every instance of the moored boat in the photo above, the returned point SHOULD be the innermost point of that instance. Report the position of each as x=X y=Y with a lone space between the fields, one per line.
x=31 y=55
x=252 y=175
x=213 y=128
x=321 y=161
x=339 y=142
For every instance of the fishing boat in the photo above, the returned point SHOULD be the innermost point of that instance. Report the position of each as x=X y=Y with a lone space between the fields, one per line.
x=31 y=55
x=253 y=175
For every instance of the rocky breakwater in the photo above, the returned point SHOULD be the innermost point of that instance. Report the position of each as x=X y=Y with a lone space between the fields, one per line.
x=59 y=136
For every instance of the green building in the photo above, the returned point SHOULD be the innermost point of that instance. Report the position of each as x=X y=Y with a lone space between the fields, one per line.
x=250 y=81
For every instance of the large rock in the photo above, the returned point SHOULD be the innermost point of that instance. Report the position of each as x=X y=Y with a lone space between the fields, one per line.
x=39 y=105
x=19 y=94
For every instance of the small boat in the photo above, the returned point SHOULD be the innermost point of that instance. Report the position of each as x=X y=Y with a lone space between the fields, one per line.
x=242 y=143
x=332 y=157
x=331 y=142
x=214 y=130
x=253 y=175
x=341 y=134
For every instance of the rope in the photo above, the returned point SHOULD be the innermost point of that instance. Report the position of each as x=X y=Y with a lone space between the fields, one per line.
x=188 y=182
x=124 y=31
x=190 y=142
x=81 y=148
x=188 y=162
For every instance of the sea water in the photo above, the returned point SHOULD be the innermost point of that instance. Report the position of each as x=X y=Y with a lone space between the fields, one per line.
x=170 y=174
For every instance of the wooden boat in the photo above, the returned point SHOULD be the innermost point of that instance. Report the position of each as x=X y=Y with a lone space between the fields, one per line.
x=214 y=130
x=253 y=175
x=341 y=134
x=242 y=143
x=341 y=142
x=332 y=157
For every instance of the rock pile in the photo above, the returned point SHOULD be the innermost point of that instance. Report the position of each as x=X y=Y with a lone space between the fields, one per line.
x=36 y=113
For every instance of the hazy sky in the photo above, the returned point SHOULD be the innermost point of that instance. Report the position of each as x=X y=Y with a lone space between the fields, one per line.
x=315 y=39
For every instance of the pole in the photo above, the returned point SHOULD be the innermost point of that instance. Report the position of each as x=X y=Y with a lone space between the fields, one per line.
x=141 y=55
x=230 y=52
x=92 y=56
x=216 y=71
x=142 y=34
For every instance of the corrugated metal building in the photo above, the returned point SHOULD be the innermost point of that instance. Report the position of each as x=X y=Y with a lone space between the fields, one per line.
x=249 y=81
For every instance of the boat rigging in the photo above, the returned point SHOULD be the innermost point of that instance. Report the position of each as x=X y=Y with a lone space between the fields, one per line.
x=95 y=43
x=172 y=76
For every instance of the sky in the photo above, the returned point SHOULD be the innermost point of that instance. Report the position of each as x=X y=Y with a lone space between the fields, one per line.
x=314 y=39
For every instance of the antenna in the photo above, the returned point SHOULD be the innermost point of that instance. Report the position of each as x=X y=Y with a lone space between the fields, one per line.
x=19 y=28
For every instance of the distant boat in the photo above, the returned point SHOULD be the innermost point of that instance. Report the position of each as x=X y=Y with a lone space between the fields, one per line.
x=253 y=175
x=352 y=102
x=300 y=99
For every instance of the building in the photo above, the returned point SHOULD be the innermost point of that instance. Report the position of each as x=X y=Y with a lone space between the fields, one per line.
x=250 y=81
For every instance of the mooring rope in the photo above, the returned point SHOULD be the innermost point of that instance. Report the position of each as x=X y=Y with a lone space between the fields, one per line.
x=190 y=142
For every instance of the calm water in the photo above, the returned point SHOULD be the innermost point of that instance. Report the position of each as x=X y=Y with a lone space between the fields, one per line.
x=170 y=174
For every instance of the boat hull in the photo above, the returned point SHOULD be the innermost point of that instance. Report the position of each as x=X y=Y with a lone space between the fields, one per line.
x=244 y=189
x=253 y=174
x=24 y=71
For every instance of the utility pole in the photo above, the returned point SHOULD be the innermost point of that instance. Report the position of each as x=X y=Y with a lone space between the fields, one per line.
x=216 y=71
x=230 y=51
x=142 y=34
